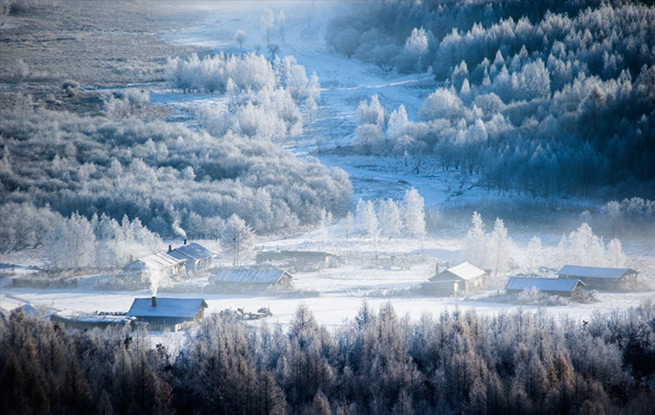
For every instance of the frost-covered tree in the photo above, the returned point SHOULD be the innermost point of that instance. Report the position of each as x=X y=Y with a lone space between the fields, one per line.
x=390 y=218
x=500 y=248
x=413 y=214
x=417 y=46
x=366 y=221
x=311 y=107
x=324 y=223
x=533 y=255
x=71 y=244
x=282 y=24
x=475 y=247
x=237 y=239
x=582 y=247
x=615 y=256
x=369 y=139
x=372 y=113
x=314 y=87
x=267 y=23
x=398 y=124
x=240 y=37
x=442 y=103
x=295 y=79
x=476 y=133
x=349 y=224
x=24 y=225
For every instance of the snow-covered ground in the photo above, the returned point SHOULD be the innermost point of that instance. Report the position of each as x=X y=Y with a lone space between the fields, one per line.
x=345 y=82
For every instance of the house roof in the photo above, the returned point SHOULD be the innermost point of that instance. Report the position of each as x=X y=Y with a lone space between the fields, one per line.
x=463 y=271
x=160 y=260
x=250 y=276
x=166 y=307
x=192 y=251
x=594 y=272
x=542 y=284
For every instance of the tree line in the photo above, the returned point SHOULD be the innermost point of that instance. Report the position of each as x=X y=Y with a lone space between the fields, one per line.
x=378 y=363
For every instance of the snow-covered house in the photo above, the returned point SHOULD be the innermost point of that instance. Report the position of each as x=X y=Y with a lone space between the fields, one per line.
x=161 y=262
x=553 y=286
x=167 y=313
x=458 y=279
x=80 y=321
x=198 y=258
x=245 y=279
x=600 y=277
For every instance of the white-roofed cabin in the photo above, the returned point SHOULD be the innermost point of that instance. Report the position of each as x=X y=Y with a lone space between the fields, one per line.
x=462 y=278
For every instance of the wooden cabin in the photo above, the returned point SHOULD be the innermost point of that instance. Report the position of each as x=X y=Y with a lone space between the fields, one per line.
x=167 y=313
x=161 y=263
x=460 y=279
x=551 y=286
x=198 y=258
x=600 y=278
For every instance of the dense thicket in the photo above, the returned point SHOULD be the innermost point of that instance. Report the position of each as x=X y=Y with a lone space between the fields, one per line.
x=163 y=174
x=459 y=363
x=261 y=97
x=548 y=99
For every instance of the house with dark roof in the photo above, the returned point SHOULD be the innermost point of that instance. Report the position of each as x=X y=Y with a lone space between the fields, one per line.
x=551 y=286
x=198 y=258
x=167 y=313
x=246 y=279
x=462 y=278
x=600 y=278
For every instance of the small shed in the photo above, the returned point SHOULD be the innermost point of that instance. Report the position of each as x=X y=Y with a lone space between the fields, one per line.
x=245 y=279
x=73 y=320
x=167 y=313
x=600 y=278
x=553 y=286
x=160 y=262
x=297 y=260
x=464 y=277
x=198 y=258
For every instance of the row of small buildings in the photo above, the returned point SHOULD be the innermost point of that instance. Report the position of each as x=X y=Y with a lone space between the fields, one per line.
x=188 y=259
x=572 y=280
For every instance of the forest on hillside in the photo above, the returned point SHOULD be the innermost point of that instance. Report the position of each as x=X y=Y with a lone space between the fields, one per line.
x=549 y=99
x=379 y=363
x=126 y=160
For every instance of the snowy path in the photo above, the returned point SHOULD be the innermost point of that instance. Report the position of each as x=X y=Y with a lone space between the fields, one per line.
x=344 y=83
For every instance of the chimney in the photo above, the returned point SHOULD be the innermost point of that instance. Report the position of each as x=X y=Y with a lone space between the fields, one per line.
x=437 y=268
x=154 y=301
x=170 y=248
x=185 y=242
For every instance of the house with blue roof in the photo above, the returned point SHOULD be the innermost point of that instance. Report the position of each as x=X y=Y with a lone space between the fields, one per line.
x=197 y=258
x=601 y=278
x=167 y=313
x=551 y=286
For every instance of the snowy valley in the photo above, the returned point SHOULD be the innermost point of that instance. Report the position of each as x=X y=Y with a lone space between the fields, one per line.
x=305 y=179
